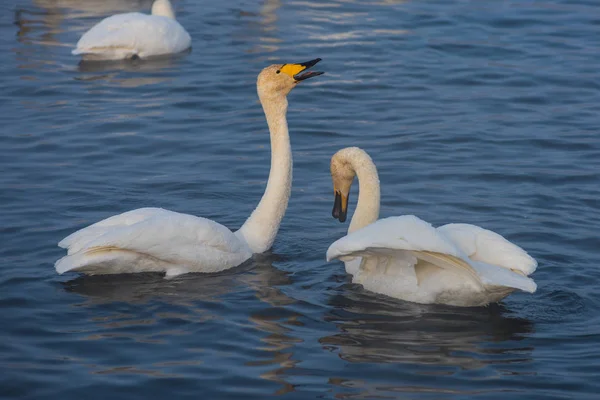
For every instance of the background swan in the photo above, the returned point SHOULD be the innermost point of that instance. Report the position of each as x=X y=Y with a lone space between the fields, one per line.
x=154 y=239
x=135 y=34
x=407 y=258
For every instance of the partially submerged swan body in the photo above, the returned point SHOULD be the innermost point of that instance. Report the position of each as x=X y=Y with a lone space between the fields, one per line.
x=130 y=35
x=158 y=240
x=409 y=259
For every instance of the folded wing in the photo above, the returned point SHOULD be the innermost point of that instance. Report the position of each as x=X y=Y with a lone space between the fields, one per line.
x=398 y=242
x=153 y=236
x=77 y=240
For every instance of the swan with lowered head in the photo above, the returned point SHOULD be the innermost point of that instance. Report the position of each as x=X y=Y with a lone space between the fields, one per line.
x=407 y=258
x=154 y=239
x=131 y=35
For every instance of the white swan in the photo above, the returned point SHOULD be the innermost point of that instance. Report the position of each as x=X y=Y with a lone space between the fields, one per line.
x=134 y=34
x=154 y=239
x=407 y=258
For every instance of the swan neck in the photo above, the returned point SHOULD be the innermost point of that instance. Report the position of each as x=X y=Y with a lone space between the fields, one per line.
x=163 y=8
x=261 y=227
x=367 y=208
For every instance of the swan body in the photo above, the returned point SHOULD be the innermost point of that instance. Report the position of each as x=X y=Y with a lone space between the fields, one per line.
x=129 y=35
x=159 y=240
x=409 y=259
x=152 y=239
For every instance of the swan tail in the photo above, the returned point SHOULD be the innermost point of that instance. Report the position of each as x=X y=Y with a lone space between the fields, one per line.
x=489 y=247
x=491 y=276
x=77 y=240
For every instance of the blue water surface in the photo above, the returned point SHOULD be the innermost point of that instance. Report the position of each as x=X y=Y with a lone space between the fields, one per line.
x=474 y=111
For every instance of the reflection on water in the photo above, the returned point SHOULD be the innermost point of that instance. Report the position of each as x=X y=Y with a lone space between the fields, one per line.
x=425 y=343
x=263 y=32
x=52 y=17
x=258 y=275
x=279 y=342
x=383 y=330
x=139 y=70
x=195 y=299
x=92 y=8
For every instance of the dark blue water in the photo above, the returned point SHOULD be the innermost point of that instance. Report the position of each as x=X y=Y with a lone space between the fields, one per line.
x=477 y=112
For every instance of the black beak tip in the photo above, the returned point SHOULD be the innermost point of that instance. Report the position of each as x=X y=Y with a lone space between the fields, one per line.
x=310 y=63
x=337 y=211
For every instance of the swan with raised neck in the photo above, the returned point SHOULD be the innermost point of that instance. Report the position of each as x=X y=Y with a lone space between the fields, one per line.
x=273 y=85
x=154 y=239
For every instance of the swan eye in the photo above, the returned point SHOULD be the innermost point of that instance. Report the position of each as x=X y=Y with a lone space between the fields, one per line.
x=278 y=71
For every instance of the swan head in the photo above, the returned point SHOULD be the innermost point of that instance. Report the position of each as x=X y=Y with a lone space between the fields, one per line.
x=342 y=175
x=279 y=79
x=344 y=166
x=163 y=8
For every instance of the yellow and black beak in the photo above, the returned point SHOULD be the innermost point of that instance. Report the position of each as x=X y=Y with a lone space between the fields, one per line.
x=294 y=70
x=340 y=206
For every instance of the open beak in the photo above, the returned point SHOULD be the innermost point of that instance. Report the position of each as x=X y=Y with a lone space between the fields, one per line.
x=306 y=65
x=340 y=206
x=297 y=71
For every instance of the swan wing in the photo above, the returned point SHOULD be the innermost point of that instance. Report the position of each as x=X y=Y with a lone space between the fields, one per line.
x=167 y=240
x=405 y=232
x=401 y=241
x=77 y=240
x=483 y=245
x=134 y=33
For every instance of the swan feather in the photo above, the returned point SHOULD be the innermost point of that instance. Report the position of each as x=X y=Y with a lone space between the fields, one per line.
x=484 y=245
x=78 y=239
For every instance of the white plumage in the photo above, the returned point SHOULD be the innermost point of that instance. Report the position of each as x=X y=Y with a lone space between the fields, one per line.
x=407 y=258
x=152 y=239
x=127 y=35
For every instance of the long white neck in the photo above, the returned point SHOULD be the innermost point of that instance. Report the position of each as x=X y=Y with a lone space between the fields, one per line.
x=163 y=8
x=261 y=227
x=367 y=208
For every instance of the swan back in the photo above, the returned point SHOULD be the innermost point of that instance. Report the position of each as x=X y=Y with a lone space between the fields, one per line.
x=163 y=8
